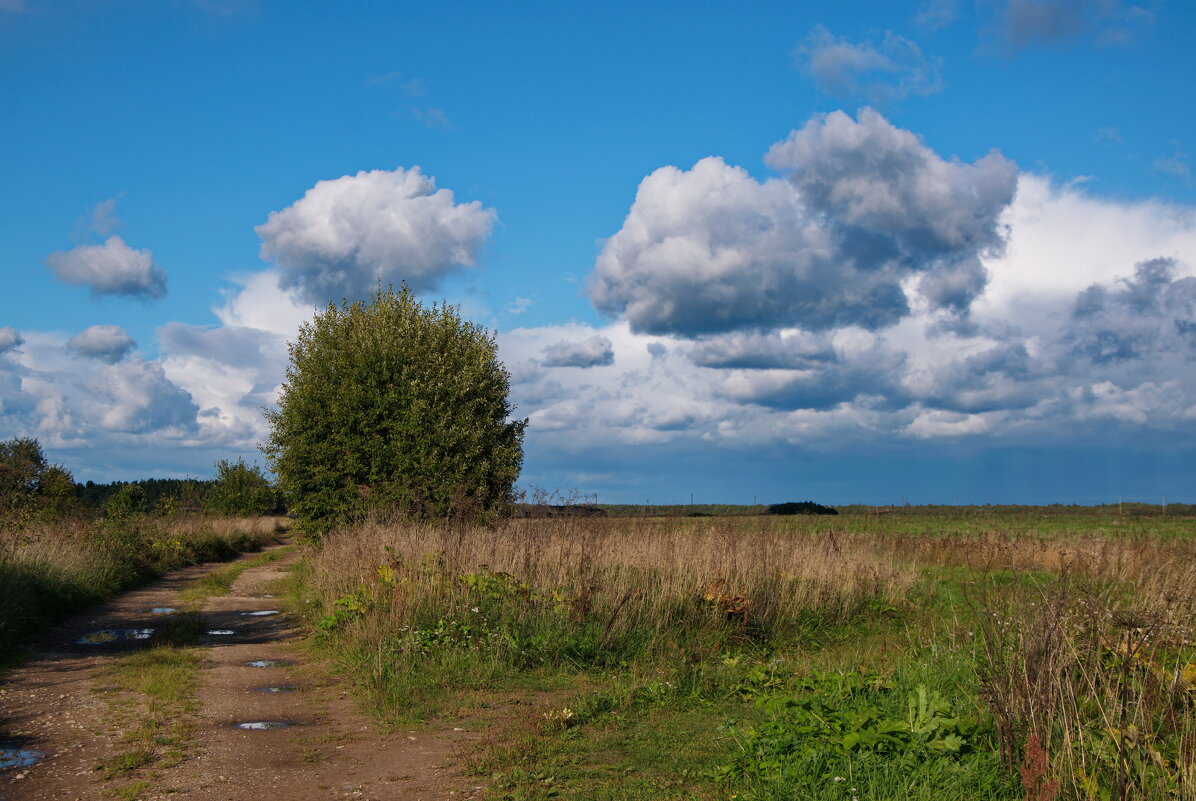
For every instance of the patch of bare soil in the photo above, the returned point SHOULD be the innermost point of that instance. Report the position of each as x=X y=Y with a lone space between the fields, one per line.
x=52 y=705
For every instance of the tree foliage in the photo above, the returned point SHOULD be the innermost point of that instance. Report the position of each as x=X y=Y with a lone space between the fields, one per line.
x=801 y=508
x=127 y=502
x=31 y=491
x=240 y=490
x=391 y=404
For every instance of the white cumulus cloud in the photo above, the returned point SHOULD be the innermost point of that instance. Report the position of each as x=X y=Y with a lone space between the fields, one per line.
x=864 y=207
x=112 y=268
x=345 y=235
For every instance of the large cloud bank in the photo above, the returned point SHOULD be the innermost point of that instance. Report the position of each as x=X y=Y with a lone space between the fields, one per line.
x=871 y=291
x=876 y=290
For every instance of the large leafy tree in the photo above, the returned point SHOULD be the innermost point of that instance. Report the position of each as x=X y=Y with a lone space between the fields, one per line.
x=389 y=404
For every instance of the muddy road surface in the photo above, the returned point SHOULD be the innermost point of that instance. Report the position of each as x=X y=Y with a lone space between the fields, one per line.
x=268 y=721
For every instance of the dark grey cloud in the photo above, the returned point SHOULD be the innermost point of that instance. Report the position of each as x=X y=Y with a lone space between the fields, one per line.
x=890 y=70
x=999 y=378
x=106 y=343
x=889 y=197
x=1152 y=312
x=10 y=339
x=754 y=351
x=112 y=268
x=345 y=235
x=871 y=378
x=1122 y=347
x=864 y=206
x=593 y=352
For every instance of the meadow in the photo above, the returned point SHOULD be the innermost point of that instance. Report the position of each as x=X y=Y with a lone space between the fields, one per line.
x=941 y=654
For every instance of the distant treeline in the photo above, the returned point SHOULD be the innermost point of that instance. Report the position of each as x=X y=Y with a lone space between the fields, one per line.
x=187 y=494
x=985 y=510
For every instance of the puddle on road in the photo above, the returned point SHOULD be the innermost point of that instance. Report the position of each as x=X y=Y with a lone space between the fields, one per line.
x=221 y=632
x=264 y=725
x=278 y=688
x=163 y=610
x=262 y=613
x=114 y=635
x=268 y=663
x=19 y=757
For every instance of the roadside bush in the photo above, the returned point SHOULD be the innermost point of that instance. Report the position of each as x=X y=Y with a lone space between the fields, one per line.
x=392 y=405
x=240 y=490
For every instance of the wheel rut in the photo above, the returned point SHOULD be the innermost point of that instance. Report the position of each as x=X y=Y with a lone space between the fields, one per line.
x=271 y=721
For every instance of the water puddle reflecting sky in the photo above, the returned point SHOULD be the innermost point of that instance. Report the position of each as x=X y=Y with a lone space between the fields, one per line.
x=221 y=632
x=19 y=757
x=268 y=663
x=106 y=636
x=262 y=613
x=264 y=725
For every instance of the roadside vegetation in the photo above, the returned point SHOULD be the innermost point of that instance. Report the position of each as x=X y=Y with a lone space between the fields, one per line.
x=862 y=656
x=57 y=556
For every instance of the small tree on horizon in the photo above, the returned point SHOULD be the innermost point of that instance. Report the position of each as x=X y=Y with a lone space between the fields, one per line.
x=389 y=404
x=240 y=490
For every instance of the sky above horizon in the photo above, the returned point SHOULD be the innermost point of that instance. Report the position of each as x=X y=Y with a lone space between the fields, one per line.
x=938 y=251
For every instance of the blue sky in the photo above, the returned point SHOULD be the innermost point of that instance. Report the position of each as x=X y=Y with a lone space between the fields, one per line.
x=927 y=251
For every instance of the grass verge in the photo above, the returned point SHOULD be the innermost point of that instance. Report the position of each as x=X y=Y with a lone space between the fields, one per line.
x=151 y=697
x=220 y=581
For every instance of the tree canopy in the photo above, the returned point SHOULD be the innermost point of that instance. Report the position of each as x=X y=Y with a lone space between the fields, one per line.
x=389 y=404
x=240 y=489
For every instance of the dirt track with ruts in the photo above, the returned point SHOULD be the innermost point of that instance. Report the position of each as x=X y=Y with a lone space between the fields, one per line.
x=60 y=705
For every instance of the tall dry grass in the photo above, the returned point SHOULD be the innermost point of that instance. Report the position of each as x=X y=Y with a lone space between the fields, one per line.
x=61 y=566
x=652 y=571
x=1089 y=665
x=414 y=609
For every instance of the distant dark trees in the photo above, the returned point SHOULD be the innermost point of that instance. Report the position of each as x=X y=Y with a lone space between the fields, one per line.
x=182 y=495
x=801 y=508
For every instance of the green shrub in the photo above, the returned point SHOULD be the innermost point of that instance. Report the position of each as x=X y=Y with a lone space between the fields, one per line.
x=240 y=490
x=392 y=405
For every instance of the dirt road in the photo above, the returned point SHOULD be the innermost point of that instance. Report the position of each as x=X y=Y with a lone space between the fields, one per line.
x=252 y=681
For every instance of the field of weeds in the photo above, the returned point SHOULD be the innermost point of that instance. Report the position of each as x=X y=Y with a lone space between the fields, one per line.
x=936 y=656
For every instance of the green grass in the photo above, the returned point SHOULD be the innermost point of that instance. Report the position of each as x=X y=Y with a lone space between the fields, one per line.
x=151 y=700
x=132 y=792
x=220 y=581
